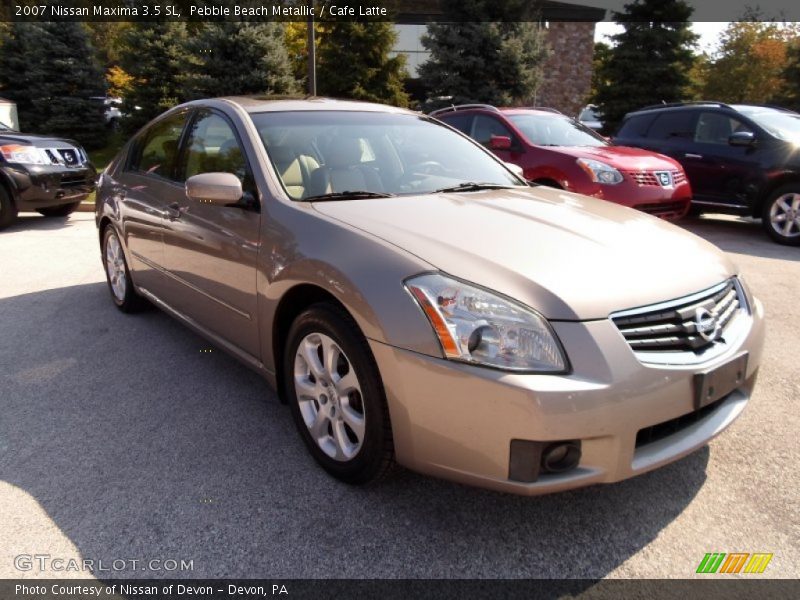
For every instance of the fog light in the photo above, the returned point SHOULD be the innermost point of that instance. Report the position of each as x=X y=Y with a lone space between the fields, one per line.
x=561 y=456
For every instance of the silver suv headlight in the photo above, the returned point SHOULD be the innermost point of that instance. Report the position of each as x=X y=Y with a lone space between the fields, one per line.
x=477 y=326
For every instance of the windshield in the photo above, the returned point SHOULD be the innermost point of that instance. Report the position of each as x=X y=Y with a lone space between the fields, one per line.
x=5 y=127
x=319 y=153
x=555 y=130
x=782 y=124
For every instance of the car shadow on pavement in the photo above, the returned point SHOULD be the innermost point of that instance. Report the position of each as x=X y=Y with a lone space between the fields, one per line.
x=33 y=221
x=740 y=235
x=141 y=441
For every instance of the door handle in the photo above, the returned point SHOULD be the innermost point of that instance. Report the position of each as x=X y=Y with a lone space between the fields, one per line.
x=690 y=155
x=174 y=211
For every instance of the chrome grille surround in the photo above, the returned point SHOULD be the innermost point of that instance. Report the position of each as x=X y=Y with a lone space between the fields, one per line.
x=687 y=330
x=650 y=178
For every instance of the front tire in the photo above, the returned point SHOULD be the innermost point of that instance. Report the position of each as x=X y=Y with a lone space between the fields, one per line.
x=336 y=395
x=781 y=215
x=8 y=210
x=59 y=211
x=118 y=276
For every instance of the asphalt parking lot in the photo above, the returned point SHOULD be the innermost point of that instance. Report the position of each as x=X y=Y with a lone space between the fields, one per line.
x=120 y=438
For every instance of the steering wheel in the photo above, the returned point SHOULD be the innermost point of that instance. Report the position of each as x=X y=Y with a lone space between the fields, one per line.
x=428 y=167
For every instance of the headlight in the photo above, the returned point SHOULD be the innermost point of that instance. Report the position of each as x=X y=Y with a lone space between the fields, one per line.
x=24 y=155
x=477 y=326
x=600 y=172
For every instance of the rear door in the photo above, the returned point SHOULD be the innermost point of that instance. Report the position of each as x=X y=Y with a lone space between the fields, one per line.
x=211 y=251
x=145 y=187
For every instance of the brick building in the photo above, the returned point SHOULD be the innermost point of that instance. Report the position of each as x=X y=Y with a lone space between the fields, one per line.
x=570 y=34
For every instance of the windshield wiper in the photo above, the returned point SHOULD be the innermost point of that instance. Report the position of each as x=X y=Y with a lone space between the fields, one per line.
x=472 y=186
x=348 y=195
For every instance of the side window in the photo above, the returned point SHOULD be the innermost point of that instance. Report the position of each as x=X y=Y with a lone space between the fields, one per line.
x=716 y=128
x=671 y=125
x=461 y=122
x=212 y=147
x=157 y=151
x=486 y=127
x=634 y=127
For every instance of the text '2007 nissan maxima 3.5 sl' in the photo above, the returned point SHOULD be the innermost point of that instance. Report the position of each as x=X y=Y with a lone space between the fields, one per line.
x=413 y=300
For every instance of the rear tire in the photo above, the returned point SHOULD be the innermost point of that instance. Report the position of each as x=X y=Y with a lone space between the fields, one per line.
x=59 y=211
x=8 y=210
x=118 y=276
x=781 y=215
x=336 y=395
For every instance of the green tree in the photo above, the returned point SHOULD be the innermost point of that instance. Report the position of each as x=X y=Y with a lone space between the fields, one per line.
x=480 y=60
x=750 y=63
x=50 y=70
x=790 y=94
x=354 y=61
x=650 y=61
x=602 y=53
x=156 y=56
x=239 y=58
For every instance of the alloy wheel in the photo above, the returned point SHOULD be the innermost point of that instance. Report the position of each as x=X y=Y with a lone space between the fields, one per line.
x=115 y=267
x=784 y=215
x=329 y=396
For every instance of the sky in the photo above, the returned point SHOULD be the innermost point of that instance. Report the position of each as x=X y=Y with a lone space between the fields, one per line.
x=709 y=32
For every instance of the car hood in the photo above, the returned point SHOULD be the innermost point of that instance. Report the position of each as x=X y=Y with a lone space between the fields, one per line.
x=569 y=256
x=32 y=139
x=625 y=158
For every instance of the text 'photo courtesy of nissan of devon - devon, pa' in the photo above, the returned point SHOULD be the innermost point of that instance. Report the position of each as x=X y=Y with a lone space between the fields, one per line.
x=399 y=298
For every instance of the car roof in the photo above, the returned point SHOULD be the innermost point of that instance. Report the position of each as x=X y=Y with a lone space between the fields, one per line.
x=736 y=108
x=533 y=110
x=259 y=103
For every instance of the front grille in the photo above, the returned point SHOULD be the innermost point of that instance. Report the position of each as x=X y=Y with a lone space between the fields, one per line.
x=650 y=177
x=689 y=324
x=69 y=156
x=663 y=209
x=651 y=434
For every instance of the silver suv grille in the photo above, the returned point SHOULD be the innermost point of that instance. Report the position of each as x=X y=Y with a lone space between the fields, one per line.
x=691 y=324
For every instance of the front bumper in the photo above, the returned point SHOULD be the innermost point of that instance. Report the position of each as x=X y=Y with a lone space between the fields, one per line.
x=457 y=421
x=669 y=203
x=44 y=186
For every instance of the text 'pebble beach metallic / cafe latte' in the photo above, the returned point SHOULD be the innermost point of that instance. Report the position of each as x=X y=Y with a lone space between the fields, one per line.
x=414 y=301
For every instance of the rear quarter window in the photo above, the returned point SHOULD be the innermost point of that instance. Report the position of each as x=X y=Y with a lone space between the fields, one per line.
x=461 y=122
x=635 y=127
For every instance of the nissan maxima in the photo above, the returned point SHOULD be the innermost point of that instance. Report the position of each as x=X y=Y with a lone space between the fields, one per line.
x=414 y=301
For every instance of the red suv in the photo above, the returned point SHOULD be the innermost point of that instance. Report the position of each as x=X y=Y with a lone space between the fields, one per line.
x=558 y=151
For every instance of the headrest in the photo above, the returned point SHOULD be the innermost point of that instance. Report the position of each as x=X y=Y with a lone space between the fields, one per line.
x=343 y=153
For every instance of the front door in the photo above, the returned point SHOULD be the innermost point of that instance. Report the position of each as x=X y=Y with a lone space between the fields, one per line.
x=211 y=251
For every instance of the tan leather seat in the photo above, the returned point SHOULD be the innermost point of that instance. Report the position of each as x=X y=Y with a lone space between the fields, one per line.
x=294 y=168
x=343 y=170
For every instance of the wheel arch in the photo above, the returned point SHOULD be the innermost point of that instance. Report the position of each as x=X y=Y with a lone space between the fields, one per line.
x=290 y=306
x=769 y=189
x=548 y=181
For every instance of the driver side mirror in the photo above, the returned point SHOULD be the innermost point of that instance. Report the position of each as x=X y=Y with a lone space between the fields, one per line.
x=221 y=189
x=742 y=138
x=500 y=142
